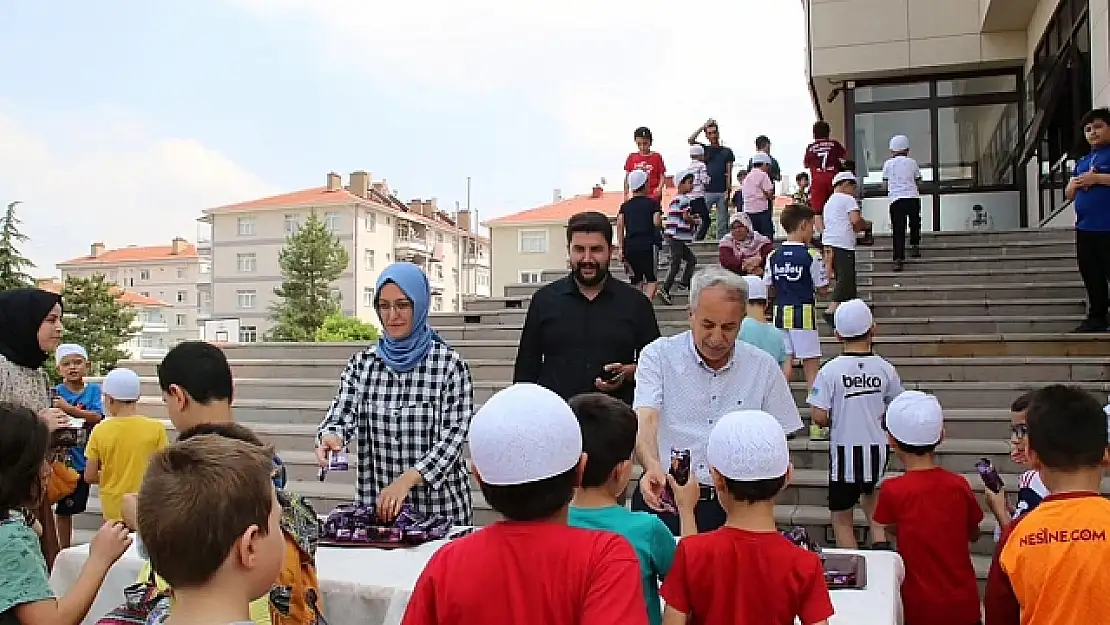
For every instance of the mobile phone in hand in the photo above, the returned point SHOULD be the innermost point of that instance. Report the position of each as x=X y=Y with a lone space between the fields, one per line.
x=991 y=479
x=607 y=375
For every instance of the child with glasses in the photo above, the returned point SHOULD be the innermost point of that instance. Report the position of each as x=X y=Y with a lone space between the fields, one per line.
x=1030 y=489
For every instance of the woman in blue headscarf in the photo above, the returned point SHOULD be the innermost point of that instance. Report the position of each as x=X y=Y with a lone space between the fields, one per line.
x=407 y=401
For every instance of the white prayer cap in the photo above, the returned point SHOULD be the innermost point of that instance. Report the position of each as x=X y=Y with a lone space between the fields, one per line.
x=637 y=178
x=761 y=158
x=757 y=289
x=853 y=319
x=524 y=433
x=915 y=418
x=66 y=350
x=121 y=385
x=844 y=176
x=899 y=143
x=748 y=445
x=697 y=150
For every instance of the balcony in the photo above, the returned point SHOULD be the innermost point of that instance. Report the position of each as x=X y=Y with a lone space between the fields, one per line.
x=409 y=245
x=151 y=322
x=437 y=283
x=481 y=260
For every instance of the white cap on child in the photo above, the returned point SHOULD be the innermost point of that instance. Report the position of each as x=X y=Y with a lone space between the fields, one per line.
x=121 y=385
x=524 y=433
x=915 y=418
x=66 y=350
x=756 y=288
x=844 y=176
x=748 y=445
x=899 y=143
x=697 y=150
x=685 y=173
x=853 y=319
x=637 y=178
x=761 y=158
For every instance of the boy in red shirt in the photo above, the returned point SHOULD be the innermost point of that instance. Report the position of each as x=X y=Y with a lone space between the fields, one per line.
x=648 y=161
x=934 y=516
x=531 y=568
x=746 y=572
x=824 y=159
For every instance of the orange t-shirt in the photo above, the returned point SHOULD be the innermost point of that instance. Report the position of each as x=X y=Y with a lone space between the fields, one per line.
x=1050 y=567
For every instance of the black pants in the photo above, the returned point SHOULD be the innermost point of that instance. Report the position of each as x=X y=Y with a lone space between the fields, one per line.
x=763 y=223
x=901 y=211
x=708 y=514
x=1092 y=251
x=701 y=209
x=680 y=252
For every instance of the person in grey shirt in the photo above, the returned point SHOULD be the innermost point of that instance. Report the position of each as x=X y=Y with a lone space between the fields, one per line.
x=684 y=383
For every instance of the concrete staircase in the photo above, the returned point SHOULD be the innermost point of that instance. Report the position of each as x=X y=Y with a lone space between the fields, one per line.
x=980 y=319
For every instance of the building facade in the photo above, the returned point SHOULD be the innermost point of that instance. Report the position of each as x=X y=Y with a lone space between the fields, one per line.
x=166 y=274
x=375 y=228
x=990 y=93
x=152 y=329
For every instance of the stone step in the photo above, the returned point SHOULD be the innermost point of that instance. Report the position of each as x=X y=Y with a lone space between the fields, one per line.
x=910 y=292
x=947 y=278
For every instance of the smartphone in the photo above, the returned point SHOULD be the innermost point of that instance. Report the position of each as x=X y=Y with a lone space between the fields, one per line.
x=680 y=471
x=609 y=376
x=990 y=476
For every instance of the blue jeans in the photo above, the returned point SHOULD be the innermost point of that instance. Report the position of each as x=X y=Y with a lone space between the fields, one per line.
x=764 y=223
x=720 y=200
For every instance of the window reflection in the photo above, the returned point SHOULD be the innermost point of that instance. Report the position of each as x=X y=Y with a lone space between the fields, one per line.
x=975 y=144
x=890 y=93
x=872 y=145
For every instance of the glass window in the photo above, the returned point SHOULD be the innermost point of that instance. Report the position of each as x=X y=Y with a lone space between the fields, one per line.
x=368 y=296
x=533 y=241
x=245 y=226
x=872 y=145
x=980 y=211
x=1006 y=83
x=246 y=263
x=888 y=93
x=248 y=334
x=974 y=144
x=245 y=299
x=331 y=222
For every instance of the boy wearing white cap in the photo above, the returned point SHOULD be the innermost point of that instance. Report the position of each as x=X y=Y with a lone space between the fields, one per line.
x=759 y=193
x=934 y=515
x=900 y=177
x=638 y=222
x=120 y=448
x=843 y=219
x=679 y=229
x=755 y=330
x=696 y=194
x=746 y=571
x=79 y=400
x=850 y=396
x=526 y=454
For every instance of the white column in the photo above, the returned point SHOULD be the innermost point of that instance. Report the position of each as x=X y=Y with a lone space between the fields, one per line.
x=1100 y=52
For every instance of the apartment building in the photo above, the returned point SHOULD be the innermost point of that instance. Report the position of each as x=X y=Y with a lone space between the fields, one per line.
x=990 y=93
x=165 y=273
x=527 y=243
x=374 y=226
x=151 y=325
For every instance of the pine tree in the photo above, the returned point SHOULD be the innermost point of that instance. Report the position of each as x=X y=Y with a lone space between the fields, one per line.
x=13 y=264
x=95 y=318
x=312 y=259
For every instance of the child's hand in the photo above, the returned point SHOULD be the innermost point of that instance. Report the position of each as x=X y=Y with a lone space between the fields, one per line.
x=129 y=511
x=109 y=544
x=686 y=496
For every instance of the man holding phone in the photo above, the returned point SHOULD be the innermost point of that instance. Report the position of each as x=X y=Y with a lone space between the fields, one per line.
x=584 y=332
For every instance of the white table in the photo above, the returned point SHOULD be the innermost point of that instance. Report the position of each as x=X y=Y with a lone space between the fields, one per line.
x=372 y=586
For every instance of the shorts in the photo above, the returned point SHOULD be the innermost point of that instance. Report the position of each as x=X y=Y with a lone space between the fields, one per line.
x=75 y=502
x=641 y=264
x=845 y=495
x=820 y=190
x=844 y=266
x=802 y=344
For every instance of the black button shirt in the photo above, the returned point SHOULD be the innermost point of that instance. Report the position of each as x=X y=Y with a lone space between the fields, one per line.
x=568 y=339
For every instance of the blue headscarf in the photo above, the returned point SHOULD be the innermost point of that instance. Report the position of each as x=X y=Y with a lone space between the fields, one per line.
x=406 y=354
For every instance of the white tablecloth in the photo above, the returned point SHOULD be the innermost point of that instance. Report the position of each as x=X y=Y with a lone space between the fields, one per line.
x=372 y=586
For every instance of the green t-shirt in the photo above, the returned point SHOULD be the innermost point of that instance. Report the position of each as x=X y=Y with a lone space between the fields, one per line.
x=764 y=336
x=653 y=542
x=23 y=577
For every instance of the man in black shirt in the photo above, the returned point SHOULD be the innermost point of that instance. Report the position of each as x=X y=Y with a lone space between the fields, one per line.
x=718 y=163
x=584 y=332
x=638 y=221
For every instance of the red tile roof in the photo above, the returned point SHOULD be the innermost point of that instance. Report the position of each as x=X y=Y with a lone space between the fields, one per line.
x=125 y=297
x=607 y=203
x=134 y=253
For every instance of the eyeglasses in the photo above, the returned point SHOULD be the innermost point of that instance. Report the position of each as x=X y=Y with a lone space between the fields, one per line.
x=401 y=306
x=1019 y=430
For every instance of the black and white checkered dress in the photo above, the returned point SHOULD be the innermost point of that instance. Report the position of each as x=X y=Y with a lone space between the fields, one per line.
x=413 y=420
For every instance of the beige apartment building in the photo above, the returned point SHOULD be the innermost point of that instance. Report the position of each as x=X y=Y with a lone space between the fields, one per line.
x=158 y=274
x=151 y=329
x=374 y=226
x=990 y=93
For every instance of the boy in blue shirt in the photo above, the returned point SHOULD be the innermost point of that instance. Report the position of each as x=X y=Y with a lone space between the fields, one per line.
x=79 y=400
x=755 y=330
x=608 y=438
x=1090 y=188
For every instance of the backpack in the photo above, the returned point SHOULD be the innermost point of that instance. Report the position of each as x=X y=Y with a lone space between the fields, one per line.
x=143 y=603
x=295 y=598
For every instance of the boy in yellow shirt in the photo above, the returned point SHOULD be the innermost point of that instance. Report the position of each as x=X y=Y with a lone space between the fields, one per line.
x=120 y=448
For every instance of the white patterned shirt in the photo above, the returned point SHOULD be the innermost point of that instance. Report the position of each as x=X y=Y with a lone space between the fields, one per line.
x=690 y=396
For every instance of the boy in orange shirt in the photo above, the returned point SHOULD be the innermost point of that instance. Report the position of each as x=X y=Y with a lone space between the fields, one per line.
x=1050 y=564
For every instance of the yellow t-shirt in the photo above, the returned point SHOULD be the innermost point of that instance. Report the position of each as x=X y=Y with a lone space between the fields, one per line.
x=260 y=608
x=122 y=446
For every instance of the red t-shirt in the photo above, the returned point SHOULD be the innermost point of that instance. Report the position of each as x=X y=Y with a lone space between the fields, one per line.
x=824 y=156
x=935 y=516
x=732 y=576
x=537 y=573
x=652 y=163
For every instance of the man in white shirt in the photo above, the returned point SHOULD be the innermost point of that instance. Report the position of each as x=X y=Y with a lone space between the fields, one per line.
x=900 y=177
x=843 y=220
x=686 y=382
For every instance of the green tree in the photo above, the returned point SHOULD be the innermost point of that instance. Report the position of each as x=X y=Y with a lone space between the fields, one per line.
x=13 y=264
x=95 y=318
x=339 y=328
x=312 y=259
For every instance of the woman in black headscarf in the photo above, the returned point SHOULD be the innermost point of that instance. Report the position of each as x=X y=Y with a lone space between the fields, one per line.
x=31 y=328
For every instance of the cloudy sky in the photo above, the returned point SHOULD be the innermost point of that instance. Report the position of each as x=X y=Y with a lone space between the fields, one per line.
x=121 y=121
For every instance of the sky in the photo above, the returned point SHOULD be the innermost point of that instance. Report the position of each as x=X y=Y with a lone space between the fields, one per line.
x=121 y=121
